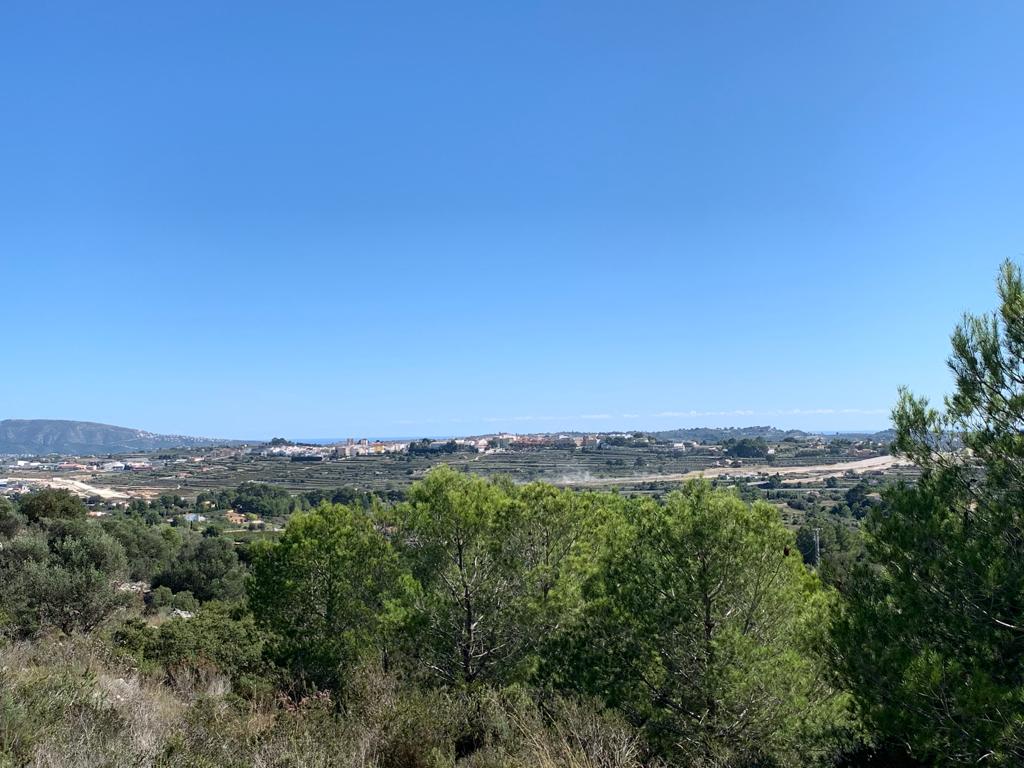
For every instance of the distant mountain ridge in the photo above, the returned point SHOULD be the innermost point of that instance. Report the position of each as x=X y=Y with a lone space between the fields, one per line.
x=81 y=438
x=771 y=434
x=717 y=434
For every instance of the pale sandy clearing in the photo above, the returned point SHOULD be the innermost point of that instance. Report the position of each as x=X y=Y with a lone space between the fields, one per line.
x=76 y=486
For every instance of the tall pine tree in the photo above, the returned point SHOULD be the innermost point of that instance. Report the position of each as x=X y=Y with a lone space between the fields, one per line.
x=932 y=639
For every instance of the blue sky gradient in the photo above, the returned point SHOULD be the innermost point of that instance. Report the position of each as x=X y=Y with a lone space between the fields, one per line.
x=249 y=219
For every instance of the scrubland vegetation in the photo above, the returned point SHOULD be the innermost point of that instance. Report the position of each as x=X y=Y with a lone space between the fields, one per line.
x=479 y=622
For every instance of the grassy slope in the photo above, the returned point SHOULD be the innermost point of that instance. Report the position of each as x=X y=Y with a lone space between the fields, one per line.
x=73 y=702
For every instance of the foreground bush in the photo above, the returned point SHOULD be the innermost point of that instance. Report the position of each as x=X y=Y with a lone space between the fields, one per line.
x=59 y=573
x=70 y=702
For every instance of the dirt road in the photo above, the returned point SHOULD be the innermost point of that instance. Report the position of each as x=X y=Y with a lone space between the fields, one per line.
x=814 y=471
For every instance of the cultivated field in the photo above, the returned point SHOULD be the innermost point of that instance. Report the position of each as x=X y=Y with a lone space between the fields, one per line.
x=646 y=469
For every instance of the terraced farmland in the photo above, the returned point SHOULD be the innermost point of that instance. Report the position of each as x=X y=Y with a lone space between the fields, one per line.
x=638 y=469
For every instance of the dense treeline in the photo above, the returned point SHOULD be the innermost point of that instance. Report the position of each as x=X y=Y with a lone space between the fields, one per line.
x=272 y=503
x=693 y=620
x=485 y=623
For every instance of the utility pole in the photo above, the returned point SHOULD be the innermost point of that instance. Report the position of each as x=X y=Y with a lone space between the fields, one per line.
x=817 y=547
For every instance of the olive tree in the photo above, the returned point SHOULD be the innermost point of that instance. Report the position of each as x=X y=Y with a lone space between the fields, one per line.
x=60 y=574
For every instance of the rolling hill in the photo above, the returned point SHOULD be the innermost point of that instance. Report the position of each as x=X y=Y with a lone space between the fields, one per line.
x=47 y=436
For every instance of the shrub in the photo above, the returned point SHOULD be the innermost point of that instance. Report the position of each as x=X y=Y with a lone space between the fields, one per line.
x=51 y=503
x=59 y=575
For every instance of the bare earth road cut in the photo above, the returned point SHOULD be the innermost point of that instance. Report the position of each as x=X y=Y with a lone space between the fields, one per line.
x=75 y=486
x=816 y=471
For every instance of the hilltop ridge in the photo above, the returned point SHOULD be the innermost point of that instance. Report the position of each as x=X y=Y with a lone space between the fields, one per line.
x=47 y=436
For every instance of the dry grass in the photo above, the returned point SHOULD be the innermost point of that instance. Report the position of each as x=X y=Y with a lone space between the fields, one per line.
x=72 y=703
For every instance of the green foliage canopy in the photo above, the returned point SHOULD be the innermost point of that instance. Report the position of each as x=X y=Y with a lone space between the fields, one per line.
x=51 y=503
x=59 y=574
x=10 y=520
x=496 y=566
x=327 y=591
x=932 y=639
x=150 y=549
x=207 y=567
x=701 y=625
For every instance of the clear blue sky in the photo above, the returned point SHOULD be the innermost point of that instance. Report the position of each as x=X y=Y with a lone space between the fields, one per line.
x=330 y=219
